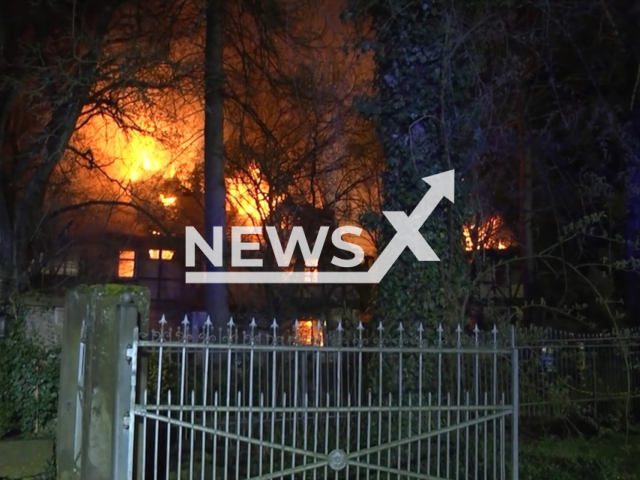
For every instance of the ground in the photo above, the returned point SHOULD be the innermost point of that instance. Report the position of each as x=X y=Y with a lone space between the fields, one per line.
x=24 y=458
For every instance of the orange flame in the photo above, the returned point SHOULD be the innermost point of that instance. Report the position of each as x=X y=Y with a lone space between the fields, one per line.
x=140 y=164
x=493 y=235
x=250 y=198
x=168 y=201
x=310 y=332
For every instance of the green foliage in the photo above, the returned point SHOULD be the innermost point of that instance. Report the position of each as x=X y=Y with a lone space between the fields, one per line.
x=610 y=458
x=168 y=376
x=29 y=375
x=524 y=114
x=425 y=118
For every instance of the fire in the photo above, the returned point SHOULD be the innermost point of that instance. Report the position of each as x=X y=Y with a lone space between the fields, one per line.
x=143 y=159
x=493 y=235
x=132 y=157
x=311 y=332
x=168 y=201
x=251 y=197
x=145 y=166
x=135 y=157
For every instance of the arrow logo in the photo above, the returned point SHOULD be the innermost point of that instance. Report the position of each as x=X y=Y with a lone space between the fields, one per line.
x=407 y=236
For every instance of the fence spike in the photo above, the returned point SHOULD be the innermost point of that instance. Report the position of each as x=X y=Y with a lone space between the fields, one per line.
x=400 y=328
x=163 y=320
x=274 y=325
x=253 y=323
x=420 y=328
x=380 y=327
x=360 y=327
x=495 y=335
x=208 y=322
x=185 y=322
x=339 y=328
x=231 y=323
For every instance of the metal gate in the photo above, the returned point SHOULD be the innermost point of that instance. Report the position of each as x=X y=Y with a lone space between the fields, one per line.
x=304 y=403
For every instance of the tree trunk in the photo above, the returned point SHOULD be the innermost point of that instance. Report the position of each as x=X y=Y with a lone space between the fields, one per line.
x=217 y=300
x=526 y=227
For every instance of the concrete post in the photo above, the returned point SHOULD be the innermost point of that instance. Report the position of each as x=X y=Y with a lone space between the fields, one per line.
x=69 y=434
x=112 y=314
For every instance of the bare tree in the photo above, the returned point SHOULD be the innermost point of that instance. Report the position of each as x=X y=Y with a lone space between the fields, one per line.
x=304 y=157
x=61 y=64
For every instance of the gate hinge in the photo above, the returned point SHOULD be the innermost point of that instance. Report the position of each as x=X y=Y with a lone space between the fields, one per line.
x=127 y=421
x=129 y=353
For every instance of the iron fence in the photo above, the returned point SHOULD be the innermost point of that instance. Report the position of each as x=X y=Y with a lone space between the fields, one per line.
x=564 y=373
x=381 y=402
x=390 y=402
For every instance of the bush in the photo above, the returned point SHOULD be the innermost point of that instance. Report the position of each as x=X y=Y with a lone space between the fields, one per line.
x=612 y=458
x=29 y=376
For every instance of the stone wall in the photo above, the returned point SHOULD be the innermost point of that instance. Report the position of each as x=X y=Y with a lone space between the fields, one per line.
x=44 y=319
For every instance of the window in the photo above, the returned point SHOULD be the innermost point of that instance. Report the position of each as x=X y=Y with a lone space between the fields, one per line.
x=68 y=268
x=311 y=272
x=127 y=264
x=161 y=254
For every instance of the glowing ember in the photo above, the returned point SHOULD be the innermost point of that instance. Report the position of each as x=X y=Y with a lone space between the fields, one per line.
x=493 y=235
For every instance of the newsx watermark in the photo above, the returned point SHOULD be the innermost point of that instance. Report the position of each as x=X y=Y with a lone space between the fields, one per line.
x=407 y=236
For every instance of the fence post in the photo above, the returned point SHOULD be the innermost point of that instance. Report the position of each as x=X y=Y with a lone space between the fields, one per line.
x=515 y=385
x=125 y=374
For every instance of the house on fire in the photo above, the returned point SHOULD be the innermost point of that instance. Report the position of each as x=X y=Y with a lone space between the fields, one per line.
x=157 y=262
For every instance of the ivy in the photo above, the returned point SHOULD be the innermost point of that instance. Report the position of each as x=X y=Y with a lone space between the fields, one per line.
x=425 y=121
x=29 y=375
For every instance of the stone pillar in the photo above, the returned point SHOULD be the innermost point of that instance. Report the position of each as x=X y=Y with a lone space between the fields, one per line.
x=71 y=377
x=111 y=314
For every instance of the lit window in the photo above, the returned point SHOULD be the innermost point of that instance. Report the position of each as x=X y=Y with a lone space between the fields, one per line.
x=311 y=332
x=158 y=254
x=311 y=272
x=127 y=264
